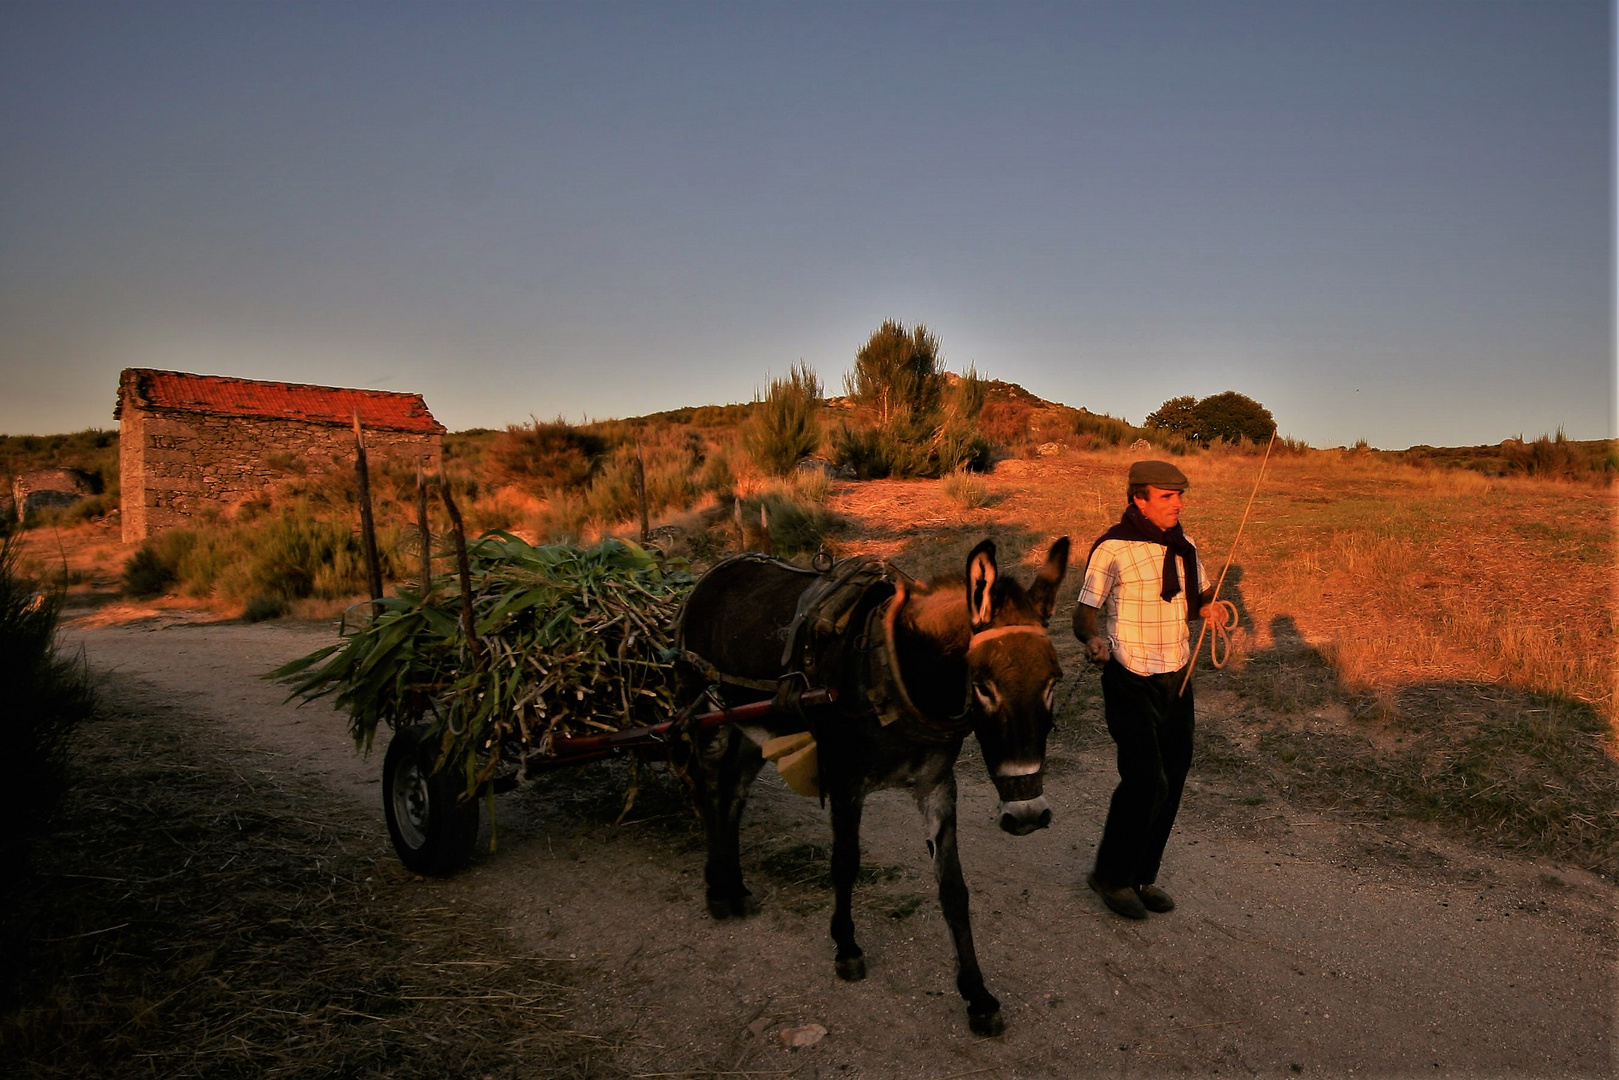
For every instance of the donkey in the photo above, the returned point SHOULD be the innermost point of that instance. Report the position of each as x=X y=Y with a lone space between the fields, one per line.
x=914 y=667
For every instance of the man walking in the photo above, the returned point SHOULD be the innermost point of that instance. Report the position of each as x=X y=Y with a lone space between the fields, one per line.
x=1139 y=578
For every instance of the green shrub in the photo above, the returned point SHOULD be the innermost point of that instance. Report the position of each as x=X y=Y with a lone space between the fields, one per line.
x=547 y=457
x=46 y=698
x=1559 y=458
x=897 y=375
x=290 y=556
x=785 y=427
x=875 y=453
x=913 y=418
x=1108 y=430
x=966 y=490
x=263 y=608
x=155 y=566
x=797 y=526
x=716 y=476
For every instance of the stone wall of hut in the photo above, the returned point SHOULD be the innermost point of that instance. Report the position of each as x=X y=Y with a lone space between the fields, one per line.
x=174 y=464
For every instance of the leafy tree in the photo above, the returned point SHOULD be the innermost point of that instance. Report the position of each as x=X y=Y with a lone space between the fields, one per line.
x=1177 y=416
x=1233 y=416
x=1230 y=416
x=786 y=426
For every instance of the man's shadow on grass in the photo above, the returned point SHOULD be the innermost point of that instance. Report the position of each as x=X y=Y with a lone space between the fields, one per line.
x=1514 y=768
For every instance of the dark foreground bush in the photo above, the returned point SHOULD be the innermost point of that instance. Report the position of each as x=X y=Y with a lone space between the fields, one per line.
x=46 y=696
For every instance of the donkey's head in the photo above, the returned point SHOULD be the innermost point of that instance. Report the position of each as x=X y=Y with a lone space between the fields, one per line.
x=1012 y=672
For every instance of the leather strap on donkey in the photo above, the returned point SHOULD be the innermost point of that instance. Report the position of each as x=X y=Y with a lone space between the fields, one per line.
x=818 y=636
x=884 y=683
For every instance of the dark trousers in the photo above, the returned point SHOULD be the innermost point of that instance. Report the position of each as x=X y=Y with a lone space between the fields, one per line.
x=1153 y=731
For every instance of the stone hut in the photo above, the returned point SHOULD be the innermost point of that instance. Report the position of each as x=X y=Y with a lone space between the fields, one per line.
x=45 y=488
x=187 y=442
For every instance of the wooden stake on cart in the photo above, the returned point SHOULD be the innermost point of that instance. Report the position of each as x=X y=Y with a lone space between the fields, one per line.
x=368 y=528
x=640 y=492
x=464 y=569
x=425 y=534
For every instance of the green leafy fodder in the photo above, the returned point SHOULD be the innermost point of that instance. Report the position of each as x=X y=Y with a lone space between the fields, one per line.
x=569 y=641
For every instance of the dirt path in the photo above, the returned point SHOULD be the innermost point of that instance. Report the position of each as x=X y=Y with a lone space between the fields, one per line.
x=1304 y=945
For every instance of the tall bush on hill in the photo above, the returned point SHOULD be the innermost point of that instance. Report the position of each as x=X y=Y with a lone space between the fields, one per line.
x=960 y=442
x=1560 y=458
x=896 y=375
x=47 y=696
x=547 y=457
x=920 y=422
x=1104 y=430
x=786 y=427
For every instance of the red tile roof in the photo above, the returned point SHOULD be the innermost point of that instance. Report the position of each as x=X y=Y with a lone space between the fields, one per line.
x=220 y=395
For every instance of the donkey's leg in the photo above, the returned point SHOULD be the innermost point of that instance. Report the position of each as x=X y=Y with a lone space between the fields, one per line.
x=726 y=763
x=846 y=809
x=938 y=806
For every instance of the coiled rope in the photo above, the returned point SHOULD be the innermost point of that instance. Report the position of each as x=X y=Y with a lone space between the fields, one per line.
x=1220 y=643
x=1220 y=639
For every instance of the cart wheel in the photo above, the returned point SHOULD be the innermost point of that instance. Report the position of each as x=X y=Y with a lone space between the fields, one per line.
x=432 y=831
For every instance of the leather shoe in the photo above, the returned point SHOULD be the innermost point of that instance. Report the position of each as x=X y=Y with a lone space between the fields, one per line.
x=1155 y=899
x=1121 y=901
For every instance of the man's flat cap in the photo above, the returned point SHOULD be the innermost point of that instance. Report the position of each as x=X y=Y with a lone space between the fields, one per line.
x=1158 y=474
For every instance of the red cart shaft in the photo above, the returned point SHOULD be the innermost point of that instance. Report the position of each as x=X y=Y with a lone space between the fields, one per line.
x=573 y=751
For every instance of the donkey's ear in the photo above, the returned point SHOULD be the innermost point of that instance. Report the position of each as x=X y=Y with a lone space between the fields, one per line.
x=981 y=573
x=1043 y=593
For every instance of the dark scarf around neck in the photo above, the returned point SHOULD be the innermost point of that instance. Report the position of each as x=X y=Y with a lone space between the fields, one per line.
x=1135 y=526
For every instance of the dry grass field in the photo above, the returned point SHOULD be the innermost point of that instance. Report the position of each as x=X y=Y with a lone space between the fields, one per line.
x=1432 y=643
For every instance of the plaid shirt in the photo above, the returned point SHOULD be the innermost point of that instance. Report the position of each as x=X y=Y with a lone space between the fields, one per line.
x=1146 y=633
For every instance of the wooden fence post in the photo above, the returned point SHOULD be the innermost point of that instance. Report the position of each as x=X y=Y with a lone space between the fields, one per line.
x=424 y=533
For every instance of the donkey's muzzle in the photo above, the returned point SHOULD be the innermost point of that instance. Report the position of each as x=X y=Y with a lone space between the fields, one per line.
x=1022 y=816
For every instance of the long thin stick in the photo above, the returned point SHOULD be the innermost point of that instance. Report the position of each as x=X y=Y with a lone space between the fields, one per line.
x=464 y=572
x=425 y=533
x=368 y=528
x=1231 y=555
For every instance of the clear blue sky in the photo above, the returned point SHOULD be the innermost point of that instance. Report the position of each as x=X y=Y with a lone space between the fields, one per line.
x=1389 y=221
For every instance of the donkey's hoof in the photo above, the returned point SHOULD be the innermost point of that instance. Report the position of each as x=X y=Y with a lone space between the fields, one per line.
x=852 y=969
x=988 y=1024
x=721 y=906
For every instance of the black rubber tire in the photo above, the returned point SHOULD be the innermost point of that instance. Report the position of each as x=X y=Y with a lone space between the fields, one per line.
x=432 y=830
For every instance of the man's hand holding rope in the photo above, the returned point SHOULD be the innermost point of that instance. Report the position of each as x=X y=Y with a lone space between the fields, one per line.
x=1218 y=616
